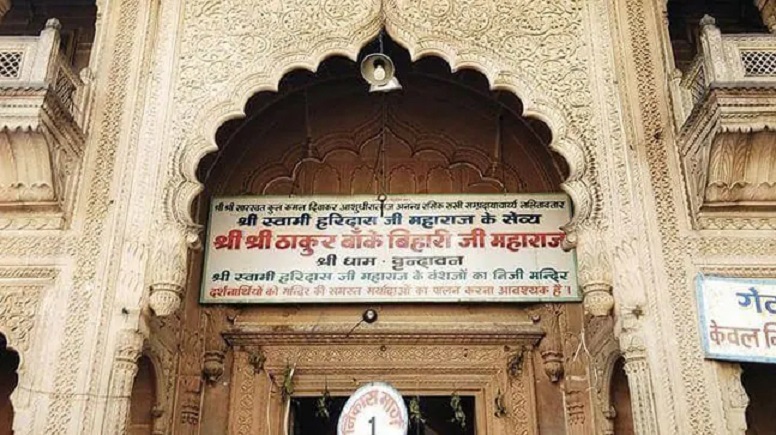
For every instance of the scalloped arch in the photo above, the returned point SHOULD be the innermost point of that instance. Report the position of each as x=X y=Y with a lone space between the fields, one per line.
x=181 y=193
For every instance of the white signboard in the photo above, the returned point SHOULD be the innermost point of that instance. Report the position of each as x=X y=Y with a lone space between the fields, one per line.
x=738 y=318
x=374 y=409
x=496 y=248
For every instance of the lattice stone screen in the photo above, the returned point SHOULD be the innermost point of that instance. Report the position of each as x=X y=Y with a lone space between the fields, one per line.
x=759 y=63
x=10 y=64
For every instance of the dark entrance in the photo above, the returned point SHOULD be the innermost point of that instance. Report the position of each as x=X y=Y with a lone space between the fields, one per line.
x=436 y=412
x=9 y=362
x=759 y=381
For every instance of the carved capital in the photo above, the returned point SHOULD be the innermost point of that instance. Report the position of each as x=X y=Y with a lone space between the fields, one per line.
x=169 y=270
x=550 y=348
x=130 y=346
x=213 y=366
x=631 y=333
x=165 y=298
x=595 y=272
x=598 y=299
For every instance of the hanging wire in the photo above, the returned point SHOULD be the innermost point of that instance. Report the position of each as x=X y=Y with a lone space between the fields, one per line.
x=384 y=167
x=383 y=188
x=308 y=142
x=307 y=127
x=498 y=153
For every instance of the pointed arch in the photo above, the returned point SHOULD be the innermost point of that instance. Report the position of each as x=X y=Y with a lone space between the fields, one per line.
x=198 y=136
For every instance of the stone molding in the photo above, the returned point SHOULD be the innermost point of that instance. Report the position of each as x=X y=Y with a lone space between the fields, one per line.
x=517 y=334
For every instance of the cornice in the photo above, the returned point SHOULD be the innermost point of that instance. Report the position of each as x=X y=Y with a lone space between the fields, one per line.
x=734 y=106
x=386 y=333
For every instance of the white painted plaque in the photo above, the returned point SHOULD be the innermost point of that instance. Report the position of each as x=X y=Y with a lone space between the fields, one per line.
x=374 y=409
x=440 y=248
x=738 y=318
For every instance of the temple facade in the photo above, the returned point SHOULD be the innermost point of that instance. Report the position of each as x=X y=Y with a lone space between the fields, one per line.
x=126 y=126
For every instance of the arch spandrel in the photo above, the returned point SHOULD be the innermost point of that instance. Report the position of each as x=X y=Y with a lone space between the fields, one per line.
x=541 y=61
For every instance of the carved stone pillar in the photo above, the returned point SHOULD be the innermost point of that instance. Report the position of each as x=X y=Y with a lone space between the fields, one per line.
x=639 y=382
x=595 y=275
x=713 y=53
x=168 y=269
x=130 y=346
x=734 y=397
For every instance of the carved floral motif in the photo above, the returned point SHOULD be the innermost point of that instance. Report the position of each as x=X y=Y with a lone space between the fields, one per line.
x=18 y=313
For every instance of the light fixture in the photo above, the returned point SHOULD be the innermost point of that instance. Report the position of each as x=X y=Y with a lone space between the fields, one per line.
x=378 y=70
x=369 y=316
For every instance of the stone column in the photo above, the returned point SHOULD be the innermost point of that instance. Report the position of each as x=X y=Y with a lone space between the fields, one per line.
x=639 y=381
x=130 y=346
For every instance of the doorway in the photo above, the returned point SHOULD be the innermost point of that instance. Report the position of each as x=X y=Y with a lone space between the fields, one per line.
x=759 y=381
x=439 y=415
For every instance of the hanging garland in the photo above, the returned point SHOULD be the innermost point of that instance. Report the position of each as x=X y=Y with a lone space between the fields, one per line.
x=459 y=416
x=322 y=405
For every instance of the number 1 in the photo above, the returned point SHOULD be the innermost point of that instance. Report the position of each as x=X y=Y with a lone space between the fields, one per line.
x=372 y=422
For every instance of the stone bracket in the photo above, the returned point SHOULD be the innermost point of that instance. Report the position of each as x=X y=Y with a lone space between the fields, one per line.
x=718 y=135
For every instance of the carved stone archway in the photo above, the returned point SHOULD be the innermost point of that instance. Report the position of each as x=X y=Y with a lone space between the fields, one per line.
x=542 y=62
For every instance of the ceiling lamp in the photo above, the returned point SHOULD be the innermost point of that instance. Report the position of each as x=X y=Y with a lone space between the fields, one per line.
x=378 y=70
